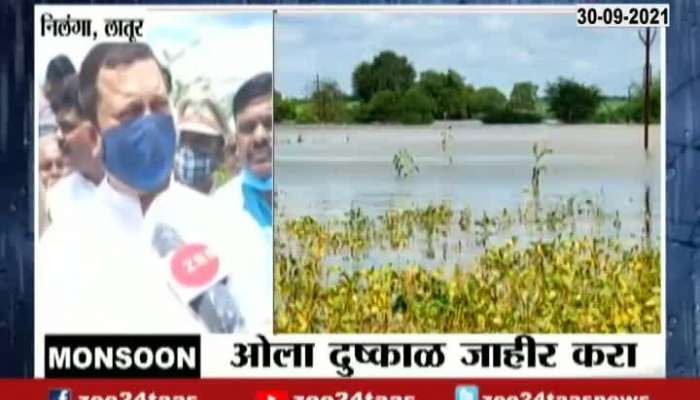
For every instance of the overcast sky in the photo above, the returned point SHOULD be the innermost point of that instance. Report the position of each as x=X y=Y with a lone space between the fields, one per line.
x=487 y=50
x=230 y=47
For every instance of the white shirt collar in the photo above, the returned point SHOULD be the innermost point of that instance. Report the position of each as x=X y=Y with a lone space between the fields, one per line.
x=126 y=208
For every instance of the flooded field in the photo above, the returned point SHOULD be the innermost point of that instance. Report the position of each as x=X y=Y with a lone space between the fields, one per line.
x=600 y=172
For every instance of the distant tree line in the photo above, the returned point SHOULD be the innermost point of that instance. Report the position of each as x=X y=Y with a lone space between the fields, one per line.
x=387 y=89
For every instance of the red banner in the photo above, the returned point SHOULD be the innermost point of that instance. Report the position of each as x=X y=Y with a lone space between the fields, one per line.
x=350 y=389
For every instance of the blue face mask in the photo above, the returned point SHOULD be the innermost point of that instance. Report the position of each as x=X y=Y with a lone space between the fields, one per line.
x=263 y=185
x=140 y=152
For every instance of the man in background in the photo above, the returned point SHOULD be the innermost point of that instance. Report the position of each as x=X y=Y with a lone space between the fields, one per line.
x=200 y=148
x=58 y=69
x=78 y=139
x=252 y=188
x=52 y=163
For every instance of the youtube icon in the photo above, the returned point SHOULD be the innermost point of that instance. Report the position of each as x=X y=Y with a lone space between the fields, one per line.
x=272 y=395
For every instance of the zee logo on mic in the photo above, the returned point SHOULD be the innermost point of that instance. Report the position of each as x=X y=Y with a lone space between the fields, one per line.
x=194 y=265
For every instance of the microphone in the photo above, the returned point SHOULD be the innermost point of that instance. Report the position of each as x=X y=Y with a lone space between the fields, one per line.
x=197 y=280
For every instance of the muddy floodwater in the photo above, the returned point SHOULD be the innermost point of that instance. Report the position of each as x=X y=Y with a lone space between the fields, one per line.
x=324 y=171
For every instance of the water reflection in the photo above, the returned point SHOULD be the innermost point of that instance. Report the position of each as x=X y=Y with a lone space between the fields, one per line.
x=325 y=175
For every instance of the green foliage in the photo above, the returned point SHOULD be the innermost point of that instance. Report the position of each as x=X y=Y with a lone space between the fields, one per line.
x=510 y=116
x=363 y=83
x=655 y=99
x=361 y=113
x=523 y=97
x=387 y=72
x=416 y=107
x=488 y=100
x=573 y=102
x=623 y=110
x=404 y=164
x=613 y=113
x=285 y=109
x=328 y=102
x=385 y=91
x=448 y=92
x=635 y=108
x=385 y=106
x=305 y=115
x=469 y=96
x=563 y=285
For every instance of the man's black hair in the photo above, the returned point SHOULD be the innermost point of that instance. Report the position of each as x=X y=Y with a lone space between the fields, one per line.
x=67 y=98
x=168 y=79
x=255 y=87
x=59 y=68
x=106 y=55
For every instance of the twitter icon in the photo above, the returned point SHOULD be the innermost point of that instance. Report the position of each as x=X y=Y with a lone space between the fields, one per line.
x=467 y=392
x=59 y=394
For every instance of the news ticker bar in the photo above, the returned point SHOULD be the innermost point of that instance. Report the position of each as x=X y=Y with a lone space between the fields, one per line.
x=350 y=356
x=355 y=389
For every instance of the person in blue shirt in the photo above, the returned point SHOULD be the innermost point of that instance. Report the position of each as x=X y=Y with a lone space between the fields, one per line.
x=252 y=188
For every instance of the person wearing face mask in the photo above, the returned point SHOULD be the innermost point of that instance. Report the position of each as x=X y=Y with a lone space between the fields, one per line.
x=101 y=273
x=200 y=149
x=78 y=139
x=252 y=188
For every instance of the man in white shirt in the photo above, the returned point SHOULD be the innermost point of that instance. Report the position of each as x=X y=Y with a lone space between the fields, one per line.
x=52 y=161
x=252 y=188
x=78 y=138
x=101 y=273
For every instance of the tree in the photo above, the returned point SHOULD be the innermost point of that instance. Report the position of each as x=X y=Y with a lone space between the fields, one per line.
x=284 y=108
x=328 y=102
x=634 y=109
x=488 y=100
x=416 y=107
x=448 y=92
x=571 y=101
x=469 y=95
x=385 y=106
x=362 y=82
x=387 y=71
x=523 y=97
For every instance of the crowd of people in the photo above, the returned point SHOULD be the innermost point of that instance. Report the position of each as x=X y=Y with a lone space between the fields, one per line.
x=118 y=161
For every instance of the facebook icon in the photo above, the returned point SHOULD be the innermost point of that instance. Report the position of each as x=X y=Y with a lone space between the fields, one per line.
x=467 y=392
x=59 y=394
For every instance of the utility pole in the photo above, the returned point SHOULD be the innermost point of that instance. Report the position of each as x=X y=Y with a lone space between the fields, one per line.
x=647 y=39
x=629 y=103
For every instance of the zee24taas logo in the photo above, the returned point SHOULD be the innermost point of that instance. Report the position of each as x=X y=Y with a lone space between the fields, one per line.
x=467 y=392
x=60 y=394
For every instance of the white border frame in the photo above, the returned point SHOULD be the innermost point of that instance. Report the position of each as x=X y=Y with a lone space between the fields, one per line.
x=223 y=342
